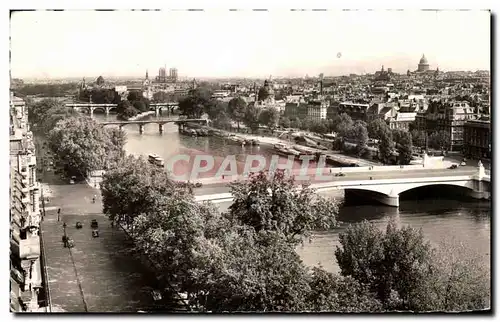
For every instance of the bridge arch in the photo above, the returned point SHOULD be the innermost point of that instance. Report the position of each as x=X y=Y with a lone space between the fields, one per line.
x=99 y=109
x=389 y=194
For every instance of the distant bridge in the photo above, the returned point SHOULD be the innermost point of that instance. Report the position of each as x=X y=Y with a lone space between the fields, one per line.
x=160 y=123
x=106 y=108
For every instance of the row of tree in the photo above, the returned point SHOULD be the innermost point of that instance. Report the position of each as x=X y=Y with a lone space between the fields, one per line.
x=78 y=143
x=245 y=259
x=46 y=90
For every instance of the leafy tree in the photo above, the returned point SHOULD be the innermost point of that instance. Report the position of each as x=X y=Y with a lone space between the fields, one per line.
x=269 y=117
x=173 y=237
x=38 y=111
x=440 y=140
x=253 y=272
x=237 y=109
x=197 y=102
x=405 y=148
x=418 y=137
x=134 y=96
x=54 y=115
x=252 y=118
x=405 y=273
x=377 y=128
x=343 y=124
x=278 y=204
x=140 y=106
x=359 y=135
x=285 y=122
x=81 y=145
x=332 y=293
x=385 y=146
x=263 y=94
x=134 y=187
x=126 y=110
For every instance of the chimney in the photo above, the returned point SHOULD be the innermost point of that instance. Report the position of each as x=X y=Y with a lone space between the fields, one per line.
x=321 y=87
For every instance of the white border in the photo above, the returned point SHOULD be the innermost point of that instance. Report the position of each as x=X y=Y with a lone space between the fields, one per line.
x=126 y=4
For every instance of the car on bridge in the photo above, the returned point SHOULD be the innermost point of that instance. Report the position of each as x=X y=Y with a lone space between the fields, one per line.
x=453 y=166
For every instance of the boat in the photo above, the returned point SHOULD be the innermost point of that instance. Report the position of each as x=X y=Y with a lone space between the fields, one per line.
x=156 y=160
x=285 y=151
x=303 y=150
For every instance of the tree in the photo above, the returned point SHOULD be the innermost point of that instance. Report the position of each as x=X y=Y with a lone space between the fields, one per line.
x=245 y=275
x=134 y=187
x=173 y=237
x=263 y=94
x=285 y=122
x=81 y=145
x=276 y=203
x=343 y=124
x=440 y=140
x=377 y=128
x=269 y=117
x=237 y=109
x=359 y=135
x=140 y=106
x=405 y=148
x=332 y=293
x=385 y=146
x=406 y=273
x=38 y=111
x=252 y=118
x=196 y=103
x=126 y=110
x=418 y=137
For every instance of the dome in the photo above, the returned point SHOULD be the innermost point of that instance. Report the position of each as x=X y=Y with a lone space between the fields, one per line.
x=423 y=60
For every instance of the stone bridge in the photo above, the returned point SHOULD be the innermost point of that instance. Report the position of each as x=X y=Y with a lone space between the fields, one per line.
x=106 y=108
x=160 y=123
x=387 y=187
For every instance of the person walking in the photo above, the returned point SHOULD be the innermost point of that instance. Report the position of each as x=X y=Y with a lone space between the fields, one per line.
x=59 y=214
x=93 y=199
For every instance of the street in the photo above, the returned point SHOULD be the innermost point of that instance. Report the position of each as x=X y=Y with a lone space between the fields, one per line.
x=103 y=269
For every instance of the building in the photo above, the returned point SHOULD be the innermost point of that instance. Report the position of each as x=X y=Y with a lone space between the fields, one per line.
x=296 y=110
x=173 y=75
x=449 y=117
x=357 y=111
x=25 y=267
x=401 y=121
x=477 y=138
x=317 y=110
x=423 y=65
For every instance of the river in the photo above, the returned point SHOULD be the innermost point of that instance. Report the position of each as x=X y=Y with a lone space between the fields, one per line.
x=442 y=217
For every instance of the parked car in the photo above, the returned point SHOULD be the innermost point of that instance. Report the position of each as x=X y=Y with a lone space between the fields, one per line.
x=463 y=163
x=340 y=174
x=95 y=233
x=79 y=225
x=453 y=166
x=94 y=223
x=71 y=181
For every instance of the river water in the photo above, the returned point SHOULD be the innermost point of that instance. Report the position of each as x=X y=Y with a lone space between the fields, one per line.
x=442 y=217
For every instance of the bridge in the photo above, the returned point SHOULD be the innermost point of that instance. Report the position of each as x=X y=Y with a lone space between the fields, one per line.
x=382 y=186
x=160 y=123
x=106 y=108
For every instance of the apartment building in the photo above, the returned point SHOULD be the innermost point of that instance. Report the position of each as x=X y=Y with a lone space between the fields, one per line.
x=25 y=267
x=477 y=138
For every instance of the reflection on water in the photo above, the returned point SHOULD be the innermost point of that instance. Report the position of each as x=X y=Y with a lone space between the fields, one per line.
x=438 y=213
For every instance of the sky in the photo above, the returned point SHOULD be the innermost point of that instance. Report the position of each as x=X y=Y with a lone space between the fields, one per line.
x=220 y=43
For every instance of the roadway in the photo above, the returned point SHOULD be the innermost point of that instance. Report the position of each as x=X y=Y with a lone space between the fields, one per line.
x=217 y=188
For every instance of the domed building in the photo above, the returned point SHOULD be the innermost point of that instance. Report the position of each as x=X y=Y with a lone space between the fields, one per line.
x=423 y=65
x=266 y=93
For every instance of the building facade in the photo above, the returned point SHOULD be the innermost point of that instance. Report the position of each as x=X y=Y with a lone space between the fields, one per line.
x=26 y=282
x=317 y=111
x=357 y=111
x=477 y=138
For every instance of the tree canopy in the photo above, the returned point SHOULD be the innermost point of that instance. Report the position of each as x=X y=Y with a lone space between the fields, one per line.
x=81 y=145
